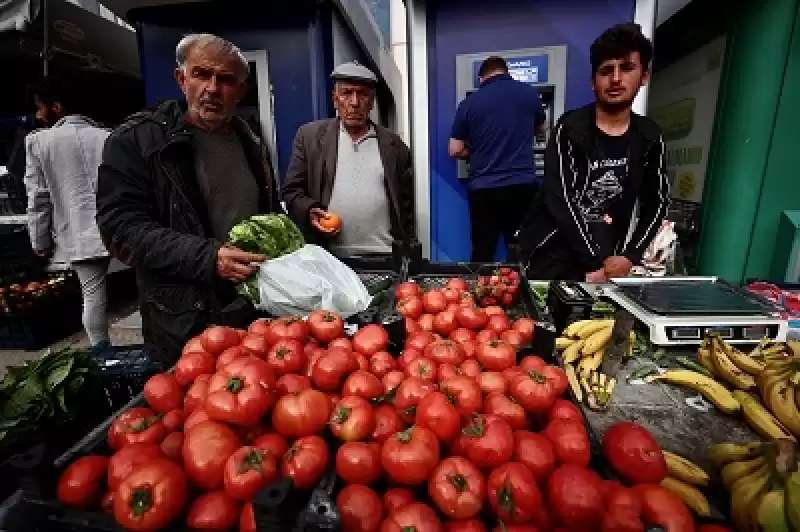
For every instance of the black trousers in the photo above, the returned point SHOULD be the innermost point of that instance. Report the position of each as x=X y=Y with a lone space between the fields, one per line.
x=494 y=212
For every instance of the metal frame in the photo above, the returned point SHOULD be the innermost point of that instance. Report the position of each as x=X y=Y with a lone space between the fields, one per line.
x=644 y=14
x=266 y=103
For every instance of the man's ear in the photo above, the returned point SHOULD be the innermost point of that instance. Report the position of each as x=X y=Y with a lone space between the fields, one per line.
x=645 y=78
x=180 y=77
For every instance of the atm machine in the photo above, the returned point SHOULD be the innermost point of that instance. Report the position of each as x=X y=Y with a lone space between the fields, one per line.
x=545 y=68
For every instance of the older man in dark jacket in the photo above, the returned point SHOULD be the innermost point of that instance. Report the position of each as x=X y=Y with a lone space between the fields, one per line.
x=355 y=169
x=172 y=184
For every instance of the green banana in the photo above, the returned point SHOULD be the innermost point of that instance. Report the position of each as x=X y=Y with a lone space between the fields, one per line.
x=770 y=512
x=745 y=492
x=724 y=453
x=736 y=470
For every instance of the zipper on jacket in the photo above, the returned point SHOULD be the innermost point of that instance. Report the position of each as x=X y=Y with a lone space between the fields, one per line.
x=175 y=183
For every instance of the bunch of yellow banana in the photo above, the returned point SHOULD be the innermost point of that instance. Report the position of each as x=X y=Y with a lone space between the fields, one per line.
x=764 y=484
x=683 y=479
x=779 y=385
x=584 y=342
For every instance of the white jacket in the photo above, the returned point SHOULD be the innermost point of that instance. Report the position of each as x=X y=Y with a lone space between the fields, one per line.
x=61 y=183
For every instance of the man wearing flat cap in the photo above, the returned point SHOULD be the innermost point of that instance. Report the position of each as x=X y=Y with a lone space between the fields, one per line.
x=354 y=168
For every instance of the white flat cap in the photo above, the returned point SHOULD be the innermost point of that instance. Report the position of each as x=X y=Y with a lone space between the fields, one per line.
x=354 y=71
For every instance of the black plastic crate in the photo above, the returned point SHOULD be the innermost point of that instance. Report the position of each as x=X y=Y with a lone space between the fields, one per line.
x=37 y=321
x=434 y=275
x=16 y=253
x=13 y=198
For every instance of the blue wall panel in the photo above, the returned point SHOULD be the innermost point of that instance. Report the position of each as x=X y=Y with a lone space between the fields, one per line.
x=473 y=26
x=289 y=56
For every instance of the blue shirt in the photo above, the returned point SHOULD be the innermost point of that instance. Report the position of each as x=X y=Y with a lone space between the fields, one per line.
x=497 y=122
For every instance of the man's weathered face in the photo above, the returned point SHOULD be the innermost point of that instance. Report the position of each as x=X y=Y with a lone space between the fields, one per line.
x=353 y=101
x=617 y=81
x=213 y=84
x=47 y=114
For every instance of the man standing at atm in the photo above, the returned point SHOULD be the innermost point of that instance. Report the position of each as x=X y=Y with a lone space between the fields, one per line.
x=494 y=130
x=601 y=160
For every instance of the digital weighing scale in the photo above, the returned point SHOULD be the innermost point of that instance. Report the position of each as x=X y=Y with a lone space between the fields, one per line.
x=682 y=310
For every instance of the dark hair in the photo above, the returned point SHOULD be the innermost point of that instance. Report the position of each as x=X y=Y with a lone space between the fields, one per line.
x=51 y=90
x=492 y=64
x=618 y=42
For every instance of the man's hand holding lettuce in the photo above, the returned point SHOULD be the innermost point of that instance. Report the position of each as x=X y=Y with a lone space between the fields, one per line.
x=270 y=235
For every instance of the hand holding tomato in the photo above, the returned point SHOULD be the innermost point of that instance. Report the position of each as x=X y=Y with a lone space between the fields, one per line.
x=325 y=222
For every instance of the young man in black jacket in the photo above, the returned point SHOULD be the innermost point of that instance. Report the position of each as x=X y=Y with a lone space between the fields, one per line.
x=602 y=159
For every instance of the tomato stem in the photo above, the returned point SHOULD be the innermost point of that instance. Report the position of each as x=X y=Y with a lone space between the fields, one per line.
x=458 y=481
x=537 y=377
x=505 y=499
x=404 y=436
x=142 y=425
x=476 y=429
x=341 y=415
x=141 y=501
x=251 y=460
x=235 y=385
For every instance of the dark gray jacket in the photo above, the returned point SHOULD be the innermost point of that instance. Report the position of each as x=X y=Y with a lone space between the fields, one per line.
x=152 y=216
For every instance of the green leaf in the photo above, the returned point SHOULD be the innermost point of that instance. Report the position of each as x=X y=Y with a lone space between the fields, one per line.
x=62 y=401
x=58 y=374
x=74 y=385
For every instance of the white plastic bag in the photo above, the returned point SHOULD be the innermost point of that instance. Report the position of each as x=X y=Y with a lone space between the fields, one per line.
x=310 y=279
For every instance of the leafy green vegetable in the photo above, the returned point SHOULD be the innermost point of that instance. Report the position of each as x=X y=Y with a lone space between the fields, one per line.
x=47 y=392
x=271 y=235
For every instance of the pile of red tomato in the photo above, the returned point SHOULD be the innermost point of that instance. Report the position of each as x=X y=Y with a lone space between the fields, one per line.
x=454 y=434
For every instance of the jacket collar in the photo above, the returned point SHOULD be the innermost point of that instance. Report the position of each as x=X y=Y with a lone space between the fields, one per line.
x=76 y=119
x=173 y=114
x=496 y=77
x=581 y=123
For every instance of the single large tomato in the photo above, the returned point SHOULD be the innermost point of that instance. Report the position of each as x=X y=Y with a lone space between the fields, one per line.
x=195 y=418
x=325 y=326
x=359 y=462
x=163 y=393
x=306 y=461
x=194 y=345
x=241 y=392
x=420 y=340
x=436 y=413
x=360 y=509
x=457 y=488
x=213 y=511
x=128 y=458
x=206 y=449
x=196 y=395
x=288 y=328
x=352 y=419
x=410 y=307
x=634 y=454
x=462 y=335
x=387 y=423
x=423 y=368
x=513 y=493
x=291 y=383
x=260 y=326
x=434 y=302
x=332 y=369
x=151 y=497
x=248 y=470
x=273 y=444
x=535 y=390
x=507 y=408
x=300 y=414
x=409 y=457
x=173 y=420
x=445 y=322
x=472 y=318
x=664 y=508
x=255 y=344
x=570 y=442
x=370 y=339
x=564 y=409
x=217 y=339
x=489 y=441
x=406 y=289
x=445 y=352
x=381 y=363
x=136 y=425
x=414 y=517
x=496 y=355
x=575 y=496
x=81 y=483
x=492 y=382
x=191 y=365
x=286 y=356
x=408 y=395
x=470 y=367
x=464 y=393
x=395 y=498
x=536 y=452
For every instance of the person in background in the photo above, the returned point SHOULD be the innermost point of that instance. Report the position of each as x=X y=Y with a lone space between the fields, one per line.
x=601 y=160
x=61 y=185
x=355 y=169
x=173 y=182
x=494 y=131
